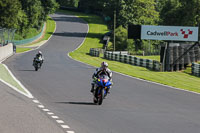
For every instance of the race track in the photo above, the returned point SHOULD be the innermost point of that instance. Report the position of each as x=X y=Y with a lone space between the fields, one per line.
x=134 y=106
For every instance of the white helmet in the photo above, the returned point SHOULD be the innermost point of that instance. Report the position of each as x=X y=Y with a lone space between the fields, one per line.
x=104 y=65
x=39 y=52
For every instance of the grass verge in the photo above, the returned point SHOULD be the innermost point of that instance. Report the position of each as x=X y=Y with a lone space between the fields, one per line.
x=96 y=29
x=153 y=57
x=5 y=76
x=21 y=50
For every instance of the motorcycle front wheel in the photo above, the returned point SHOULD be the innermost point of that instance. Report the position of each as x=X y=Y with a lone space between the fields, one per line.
x=100 y=97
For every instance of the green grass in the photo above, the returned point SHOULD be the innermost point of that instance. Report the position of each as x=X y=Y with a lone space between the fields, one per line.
x=98 y=28
x=50 y=27
x=20 y=50
x=153 y=57
x=5 y=76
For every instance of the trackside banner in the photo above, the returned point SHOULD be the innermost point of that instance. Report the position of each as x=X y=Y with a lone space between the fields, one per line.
x=174 y=33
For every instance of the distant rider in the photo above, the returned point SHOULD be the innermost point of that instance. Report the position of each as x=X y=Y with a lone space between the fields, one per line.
x=103 y=70
x=39 y=56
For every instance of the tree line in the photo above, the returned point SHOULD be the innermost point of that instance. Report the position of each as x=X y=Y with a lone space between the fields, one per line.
x=141 y=12
x=23 y=15
x=26 y=14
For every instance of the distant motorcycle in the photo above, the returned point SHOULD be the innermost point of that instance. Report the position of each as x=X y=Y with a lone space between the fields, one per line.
x=37 y=63
x=101 y=89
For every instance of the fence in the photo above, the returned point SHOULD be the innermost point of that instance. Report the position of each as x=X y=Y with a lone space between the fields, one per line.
x=196 y=69
x=6 y=36
x=150 y=64
x=94 y=52
x=29 y=40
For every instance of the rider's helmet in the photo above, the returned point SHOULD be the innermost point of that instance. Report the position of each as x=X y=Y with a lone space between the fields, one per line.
x=39 y=52
x=104 y=65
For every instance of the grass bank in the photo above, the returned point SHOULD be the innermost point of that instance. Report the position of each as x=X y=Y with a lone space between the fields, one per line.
x=97 y=28
x=5 y=76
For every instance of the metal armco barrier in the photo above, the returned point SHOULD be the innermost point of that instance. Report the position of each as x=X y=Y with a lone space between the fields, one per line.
x=94 y=52
x=150 y=64
x=196 y=69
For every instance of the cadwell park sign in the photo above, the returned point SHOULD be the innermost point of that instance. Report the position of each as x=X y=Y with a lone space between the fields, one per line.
x=173 y=33
x=173 y=57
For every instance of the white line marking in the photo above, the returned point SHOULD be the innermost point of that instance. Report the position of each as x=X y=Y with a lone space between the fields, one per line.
x=40 y=106
x=70 y=132
x=46 y=110
x=65 y=126
x=60 y=121
x=50 y=113
x=36 y=101
x=55 y=117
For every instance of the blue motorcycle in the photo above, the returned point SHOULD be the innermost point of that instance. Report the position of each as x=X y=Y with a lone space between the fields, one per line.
x=101 y=89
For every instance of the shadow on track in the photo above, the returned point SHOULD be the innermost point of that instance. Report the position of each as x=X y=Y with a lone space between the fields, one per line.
x=77 y=103
x=27 y=70
x=77 y=34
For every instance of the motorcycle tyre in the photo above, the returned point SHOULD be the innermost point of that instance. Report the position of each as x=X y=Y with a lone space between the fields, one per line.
x=101 y=97
x=95 y=93
x=36 y=68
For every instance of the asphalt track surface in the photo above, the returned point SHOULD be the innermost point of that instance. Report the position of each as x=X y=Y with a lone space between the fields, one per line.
x=19 y=115
x=134 y=106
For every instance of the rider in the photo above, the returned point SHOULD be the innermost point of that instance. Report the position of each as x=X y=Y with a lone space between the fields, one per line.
x=37 y=56
x=99 y=71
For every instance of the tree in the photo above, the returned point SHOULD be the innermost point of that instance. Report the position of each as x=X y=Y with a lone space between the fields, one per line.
x=121 y=38
x=68 y=3
x=33 y=10
x=9 y=11
x=181 y=13
x=49 y=7
x=140 y=12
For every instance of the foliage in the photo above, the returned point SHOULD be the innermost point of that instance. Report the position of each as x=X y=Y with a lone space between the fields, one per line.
x=68 y=3
x=181 y=13
x=138 y=12
x=10 y=12
x=122 y=41
x=25 y=14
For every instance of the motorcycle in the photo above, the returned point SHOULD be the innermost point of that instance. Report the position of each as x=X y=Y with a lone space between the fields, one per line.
x=37 y=63
x=101 y=89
